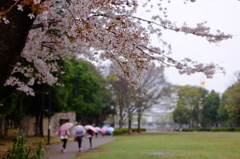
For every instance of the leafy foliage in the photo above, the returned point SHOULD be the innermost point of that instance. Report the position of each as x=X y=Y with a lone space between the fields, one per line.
x=187 y=110
x=83 y=91
x=230 y=104
x=21 y=150
x=211 y=105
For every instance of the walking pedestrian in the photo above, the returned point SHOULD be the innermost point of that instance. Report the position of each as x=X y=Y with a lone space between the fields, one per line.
x=78 y=131
x=90 y=134
x=111 y=130
x=96 y=131
x=96 y=134
x=64 y=138
x=63 y=132
x=79 y=140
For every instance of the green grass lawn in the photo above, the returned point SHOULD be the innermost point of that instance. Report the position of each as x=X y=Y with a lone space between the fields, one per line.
x=181 y=145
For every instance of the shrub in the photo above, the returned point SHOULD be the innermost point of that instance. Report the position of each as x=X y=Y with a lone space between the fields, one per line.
x=125 y=130
x=195 y=129
x=237 y=129
x=117 y=131
x=20 y=149
x=223 y=129
x=185 y=129
x=214 y=129
x=143 y=130
x=230 y=129
x=204 y=129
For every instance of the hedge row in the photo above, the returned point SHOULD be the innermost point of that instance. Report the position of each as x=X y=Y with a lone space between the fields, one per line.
x=120 y=131
x=223 y=129
x=212 y=129
x=195 y=129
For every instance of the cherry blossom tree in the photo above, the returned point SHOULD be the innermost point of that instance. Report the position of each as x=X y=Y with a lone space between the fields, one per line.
x=44 y=31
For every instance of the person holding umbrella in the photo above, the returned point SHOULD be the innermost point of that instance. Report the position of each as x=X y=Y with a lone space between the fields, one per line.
x=103 y=130
x=111 y=130
x=78 y=131
x=90 y=133
x=63 y=132
x=97 y=129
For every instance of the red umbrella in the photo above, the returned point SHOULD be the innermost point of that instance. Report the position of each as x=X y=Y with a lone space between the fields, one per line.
x=65 y=126
x=89 y=127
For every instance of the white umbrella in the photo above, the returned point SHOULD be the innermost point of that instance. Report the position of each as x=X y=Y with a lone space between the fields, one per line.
x=78 y=130
x=111 y=129
x=97 y=129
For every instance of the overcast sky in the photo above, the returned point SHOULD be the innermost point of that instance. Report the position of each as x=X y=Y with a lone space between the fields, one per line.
x=219 y=14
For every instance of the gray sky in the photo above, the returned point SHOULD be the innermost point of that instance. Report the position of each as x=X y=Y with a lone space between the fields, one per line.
x=219 y=14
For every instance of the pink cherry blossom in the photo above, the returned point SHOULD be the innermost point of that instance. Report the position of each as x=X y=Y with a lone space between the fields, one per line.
x=36 y=1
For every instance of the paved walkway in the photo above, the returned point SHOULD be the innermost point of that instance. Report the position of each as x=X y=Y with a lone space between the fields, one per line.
x=54 y=150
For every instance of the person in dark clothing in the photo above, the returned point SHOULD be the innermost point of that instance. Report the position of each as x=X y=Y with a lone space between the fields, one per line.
x=90 y=134
x=96 y=134
x=79 y=140
x=78 y=131
x=64 y=137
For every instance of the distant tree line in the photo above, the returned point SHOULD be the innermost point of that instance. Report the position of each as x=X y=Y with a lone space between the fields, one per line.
x=199 y=108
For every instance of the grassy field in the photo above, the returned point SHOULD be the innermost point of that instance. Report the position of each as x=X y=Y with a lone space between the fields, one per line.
x=180 y=145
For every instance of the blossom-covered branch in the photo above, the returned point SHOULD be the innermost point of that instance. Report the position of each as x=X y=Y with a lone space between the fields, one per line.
x=100 y=30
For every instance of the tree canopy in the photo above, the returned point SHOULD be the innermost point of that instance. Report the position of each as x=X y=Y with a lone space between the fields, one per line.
x=45 y=31
x=187 y=110
x=82 y=92
x=211 y=105
x=231 y=102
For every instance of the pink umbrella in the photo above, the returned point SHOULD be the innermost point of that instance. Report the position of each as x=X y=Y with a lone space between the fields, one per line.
x=87 y=127
x=103 y=130
x=65 y=126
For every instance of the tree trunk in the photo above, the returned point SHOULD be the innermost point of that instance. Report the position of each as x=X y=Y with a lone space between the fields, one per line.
x=6 y=127
x=129 y=125
x=2 y=121
x=41 y=113
x=37 y=122
x=41 y=125
x=180 y=123
x=20 y=117
x=13 y=37
x=139 y=123
x=120 y=117
x=238 y=122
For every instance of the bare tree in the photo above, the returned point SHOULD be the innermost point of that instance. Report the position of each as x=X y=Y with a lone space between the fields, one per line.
x=120 y=91
x=136 y=100
x=153 y=90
